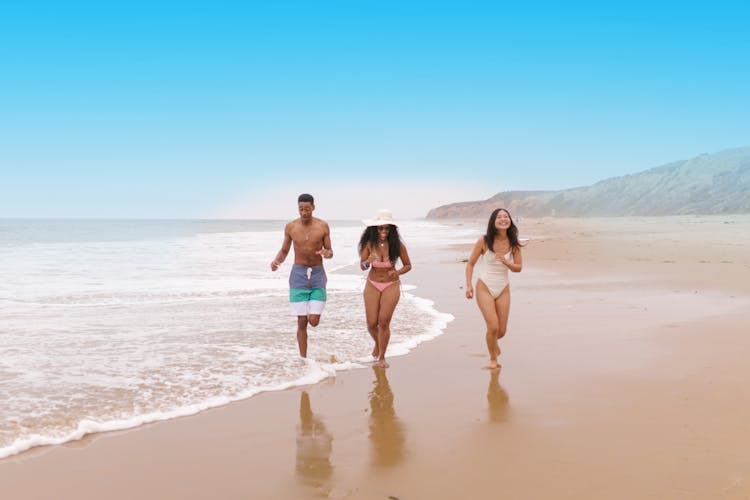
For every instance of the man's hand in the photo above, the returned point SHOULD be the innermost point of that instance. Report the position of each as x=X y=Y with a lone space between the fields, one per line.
x=326 y=253
x=275 y=265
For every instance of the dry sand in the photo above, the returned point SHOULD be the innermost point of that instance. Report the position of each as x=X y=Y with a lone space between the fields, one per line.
x=623 y=376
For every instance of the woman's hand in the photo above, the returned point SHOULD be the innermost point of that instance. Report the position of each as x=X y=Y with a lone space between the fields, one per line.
x=365 y=262
x=469 y=292
x=503 y=260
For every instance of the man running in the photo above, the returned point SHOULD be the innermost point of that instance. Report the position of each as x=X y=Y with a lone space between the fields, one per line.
x=307 y=281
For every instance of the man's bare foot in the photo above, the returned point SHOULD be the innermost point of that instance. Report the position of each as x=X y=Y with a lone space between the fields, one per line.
x=494 y=365
x=381 y=363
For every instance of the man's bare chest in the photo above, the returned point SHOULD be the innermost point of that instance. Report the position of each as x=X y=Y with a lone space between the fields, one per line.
x=302 y=235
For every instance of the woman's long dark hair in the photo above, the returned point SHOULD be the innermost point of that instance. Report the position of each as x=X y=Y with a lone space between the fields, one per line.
x=489 y=237
x=370 y=235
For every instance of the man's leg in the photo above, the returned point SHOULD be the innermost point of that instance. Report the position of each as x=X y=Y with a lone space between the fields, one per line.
x=302 y=335
x=315 y=305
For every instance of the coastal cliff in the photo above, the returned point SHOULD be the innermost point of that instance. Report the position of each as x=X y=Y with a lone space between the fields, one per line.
x=707 y=184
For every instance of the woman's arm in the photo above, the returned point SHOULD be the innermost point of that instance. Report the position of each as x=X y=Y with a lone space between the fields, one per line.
x=364 y=258
x=405 y=261
x=517 y=263
x=405 y=264
x=473 y=258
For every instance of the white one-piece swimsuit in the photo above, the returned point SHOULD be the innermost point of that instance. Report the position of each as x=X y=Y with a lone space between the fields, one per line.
x=494 y=273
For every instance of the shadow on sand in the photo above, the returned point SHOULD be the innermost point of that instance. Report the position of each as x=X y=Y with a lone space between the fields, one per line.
x=386 y=430
x=314 y=446
x=497 y=397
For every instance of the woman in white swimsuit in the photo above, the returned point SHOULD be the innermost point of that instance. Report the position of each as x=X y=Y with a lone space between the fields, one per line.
x=380 y=246
x=499 y=251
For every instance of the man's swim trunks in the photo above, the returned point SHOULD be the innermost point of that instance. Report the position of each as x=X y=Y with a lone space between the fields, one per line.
x=307 y=289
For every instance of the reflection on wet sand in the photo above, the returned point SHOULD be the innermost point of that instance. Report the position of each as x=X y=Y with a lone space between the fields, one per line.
x=497 y=397
x=386 y=430
x=314 y=446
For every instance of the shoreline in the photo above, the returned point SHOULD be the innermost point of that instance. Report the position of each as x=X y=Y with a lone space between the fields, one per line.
x=632 y=413
x=78 y=424
x=322 y=371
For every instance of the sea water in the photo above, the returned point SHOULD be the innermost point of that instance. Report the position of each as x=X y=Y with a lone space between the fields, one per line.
x=109 y=324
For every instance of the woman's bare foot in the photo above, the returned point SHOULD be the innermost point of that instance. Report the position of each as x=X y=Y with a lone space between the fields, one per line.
x=494 y=365
x=382 y=363
x=375 y=351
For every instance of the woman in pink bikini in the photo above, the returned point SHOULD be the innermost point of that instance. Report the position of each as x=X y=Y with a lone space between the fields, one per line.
x=379 y=248
x=498 y=252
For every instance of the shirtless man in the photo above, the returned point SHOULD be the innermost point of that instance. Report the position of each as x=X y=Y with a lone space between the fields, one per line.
x=307 y=280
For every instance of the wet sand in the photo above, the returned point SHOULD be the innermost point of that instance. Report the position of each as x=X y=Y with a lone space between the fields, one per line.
x=623 y=376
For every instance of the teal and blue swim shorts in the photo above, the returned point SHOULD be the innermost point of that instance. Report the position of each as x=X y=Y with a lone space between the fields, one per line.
x=307 y=289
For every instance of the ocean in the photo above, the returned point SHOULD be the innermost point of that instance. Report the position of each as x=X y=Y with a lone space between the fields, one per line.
x=110 y=324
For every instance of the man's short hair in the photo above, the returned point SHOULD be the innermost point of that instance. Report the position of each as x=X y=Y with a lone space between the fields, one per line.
x=306 y=197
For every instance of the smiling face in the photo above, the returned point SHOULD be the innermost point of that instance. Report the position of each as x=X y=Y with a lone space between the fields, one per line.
x=502 y=220
x=305 y=210
x=383 y=232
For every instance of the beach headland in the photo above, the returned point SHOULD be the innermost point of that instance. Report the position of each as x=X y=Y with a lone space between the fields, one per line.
x=623 y=376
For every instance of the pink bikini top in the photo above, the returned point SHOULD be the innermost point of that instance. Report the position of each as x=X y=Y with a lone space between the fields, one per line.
x=377 y=263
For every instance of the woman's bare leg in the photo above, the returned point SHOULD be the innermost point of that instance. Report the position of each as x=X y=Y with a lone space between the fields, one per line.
x=372 y=306
x=502 y=309
x=388 y=300
x=487 y=307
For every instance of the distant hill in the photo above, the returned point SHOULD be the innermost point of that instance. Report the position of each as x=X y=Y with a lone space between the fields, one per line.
x=707 y=184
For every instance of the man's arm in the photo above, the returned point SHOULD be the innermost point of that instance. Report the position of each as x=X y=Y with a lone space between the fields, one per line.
x=326 y=252
x=285 y=246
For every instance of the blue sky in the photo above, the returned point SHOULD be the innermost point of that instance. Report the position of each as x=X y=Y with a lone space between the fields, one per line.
x=231 y=109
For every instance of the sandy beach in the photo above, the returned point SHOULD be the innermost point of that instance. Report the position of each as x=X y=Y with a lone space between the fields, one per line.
x=623 y=376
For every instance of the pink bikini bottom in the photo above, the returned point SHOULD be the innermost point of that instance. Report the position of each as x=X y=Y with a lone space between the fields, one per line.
x=382 y=285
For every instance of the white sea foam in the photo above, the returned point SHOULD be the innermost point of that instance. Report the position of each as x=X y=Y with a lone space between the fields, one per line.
x=107 y=325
